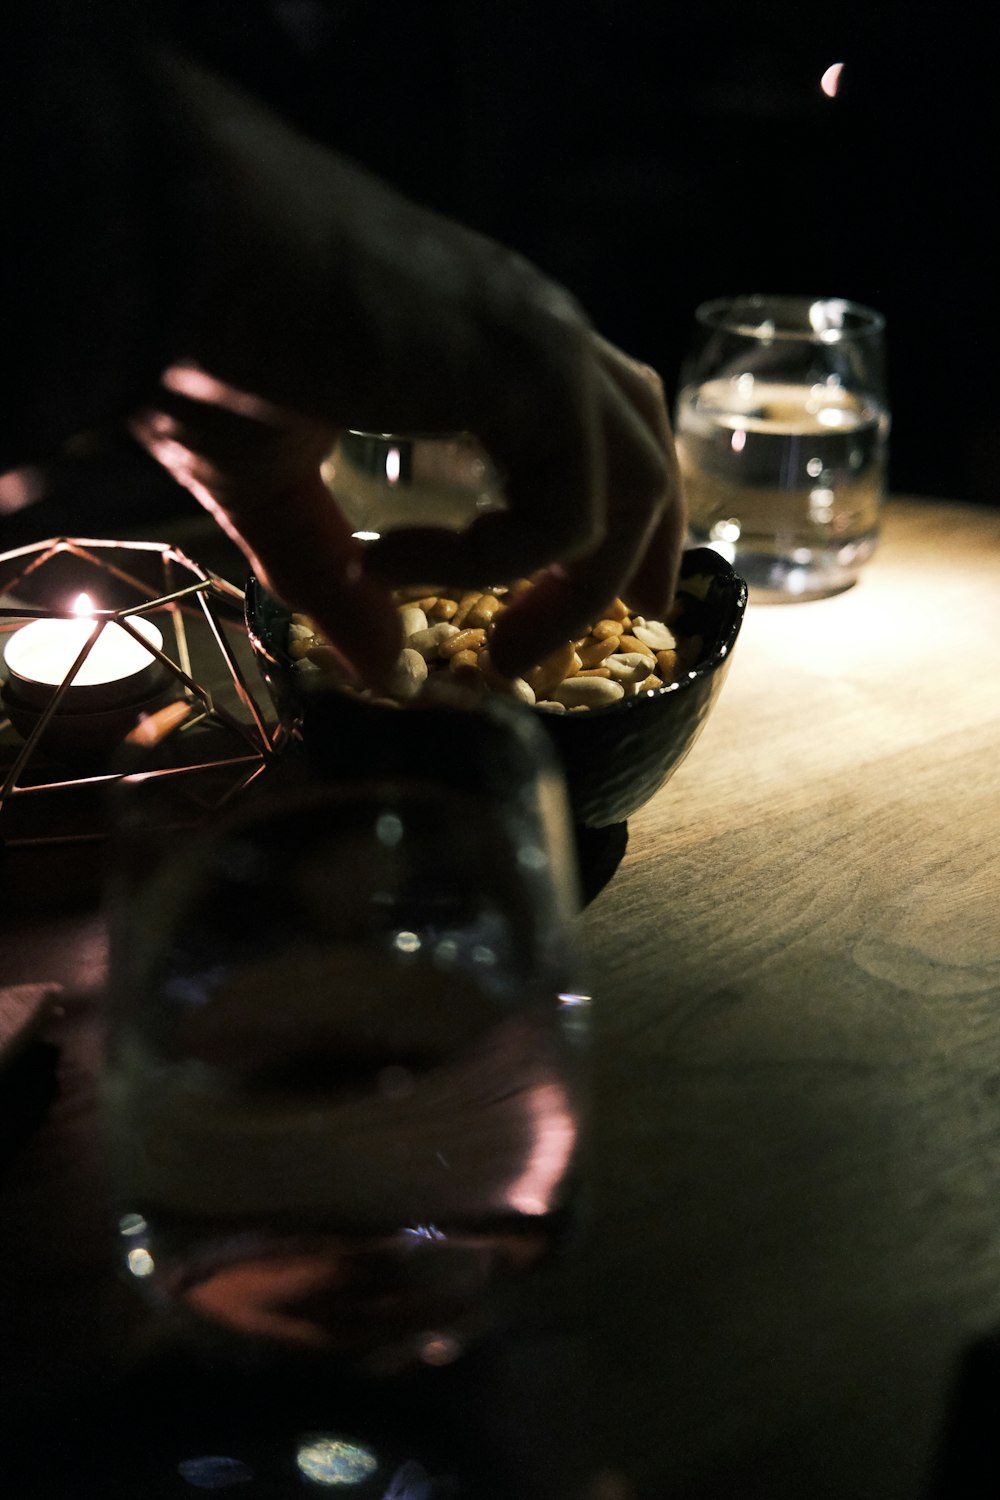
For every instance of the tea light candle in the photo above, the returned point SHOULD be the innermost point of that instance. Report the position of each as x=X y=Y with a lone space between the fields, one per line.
x=118 y=668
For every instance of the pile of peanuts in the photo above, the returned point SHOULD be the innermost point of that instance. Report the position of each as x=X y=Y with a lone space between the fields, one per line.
x=620 y=655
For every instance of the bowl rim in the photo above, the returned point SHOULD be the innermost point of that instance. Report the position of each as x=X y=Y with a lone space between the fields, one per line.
x=694 y=562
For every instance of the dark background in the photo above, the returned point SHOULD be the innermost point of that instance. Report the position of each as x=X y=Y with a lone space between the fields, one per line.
x=652 y=155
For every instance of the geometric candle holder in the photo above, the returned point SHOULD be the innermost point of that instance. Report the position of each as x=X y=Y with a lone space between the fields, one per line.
x=156 y=649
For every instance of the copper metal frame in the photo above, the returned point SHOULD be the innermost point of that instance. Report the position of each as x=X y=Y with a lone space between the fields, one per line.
x=189 y=591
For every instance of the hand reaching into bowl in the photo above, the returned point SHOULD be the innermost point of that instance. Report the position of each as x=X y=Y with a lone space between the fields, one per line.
x=337 y=303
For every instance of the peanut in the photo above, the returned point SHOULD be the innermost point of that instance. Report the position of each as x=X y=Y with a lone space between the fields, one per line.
x=588 y=692
x=462 y=640
x=409 y=674
x=412 y=619
x=322 y=655
x=630 y=666
x=429 y=642
x=632 y=643
x=669 y=664
x=483 y=610
x=465 y=604
x=620 y=655
x=594 y=652
x=562 y=663
x=654 y=634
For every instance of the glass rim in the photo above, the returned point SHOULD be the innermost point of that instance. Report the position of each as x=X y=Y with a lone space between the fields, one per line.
x=813 y=320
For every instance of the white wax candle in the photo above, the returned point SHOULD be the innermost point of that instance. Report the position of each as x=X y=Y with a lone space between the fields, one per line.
x=44 y=650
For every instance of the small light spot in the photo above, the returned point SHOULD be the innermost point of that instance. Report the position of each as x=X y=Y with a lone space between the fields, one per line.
x=738 y=441
x=572 y=1000
x=214 y=1472
x=366 y=536
x=834 y=416
x=446 y=951
x=334 y=1462
x=440 y=1348
x=726 y=531
x=425 y=1232
x=481 y=954
x=724 y=549
x=797 y=580
x=407 y=942
x=132 y=1224
x=744 y=386
x=393 y=465
x=814 y=468
x=532 y=857
x=821 y=505
x=140 y=1262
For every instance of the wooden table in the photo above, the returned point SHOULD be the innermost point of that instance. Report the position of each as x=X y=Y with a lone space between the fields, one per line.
x=795 y=1220
x=798 y=971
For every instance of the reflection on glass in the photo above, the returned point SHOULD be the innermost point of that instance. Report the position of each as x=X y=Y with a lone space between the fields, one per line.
x=214 y=1472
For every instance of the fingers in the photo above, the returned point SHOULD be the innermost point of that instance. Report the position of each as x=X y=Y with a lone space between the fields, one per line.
x=260 y=481
x=305 y=554
x=597 y=502
x=636 y=548
x=541 y=428
x=653 y=582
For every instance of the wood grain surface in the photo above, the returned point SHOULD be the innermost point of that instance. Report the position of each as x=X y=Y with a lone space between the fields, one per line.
x=797 y=971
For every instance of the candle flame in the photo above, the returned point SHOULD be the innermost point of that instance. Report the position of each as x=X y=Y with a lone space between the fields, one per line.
x=83 y=605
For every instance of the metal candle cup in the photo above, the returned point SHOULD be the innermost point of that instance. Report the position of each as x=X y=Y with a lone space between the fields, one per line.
x=98 y=701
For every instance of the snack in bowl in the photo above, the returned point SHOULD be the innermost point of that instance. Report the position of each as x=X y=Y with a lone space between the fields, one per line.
x=614 y=756
x=619 y=655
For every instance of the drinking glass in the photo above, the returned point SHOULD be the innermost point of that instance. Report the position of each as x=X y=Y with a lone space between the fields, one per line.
x=383 y=480
x=343 y=1081
x=782 y=426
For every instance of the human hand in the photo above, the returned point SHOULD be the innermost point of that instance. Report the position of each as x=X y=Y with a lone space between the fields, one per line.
x=340 y=304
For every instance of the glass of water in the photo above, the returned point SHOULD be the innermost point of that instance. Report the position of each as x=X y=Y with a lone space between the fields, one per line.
x=384 y=480
x=343 y=1081
x=782 y=426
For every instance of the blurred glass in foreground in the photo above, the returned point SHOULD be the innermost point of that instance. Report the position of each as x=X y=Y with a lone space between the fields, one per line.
x=343 y=1091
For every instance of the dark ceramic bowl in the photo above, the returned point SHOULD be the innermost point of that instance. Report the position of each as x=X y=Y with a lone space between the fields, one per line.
x=613 y=758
